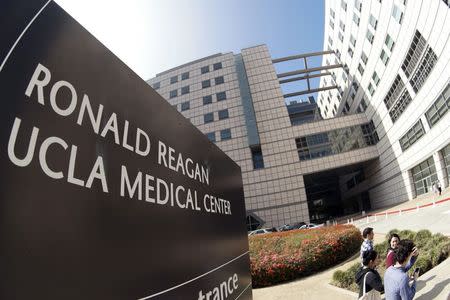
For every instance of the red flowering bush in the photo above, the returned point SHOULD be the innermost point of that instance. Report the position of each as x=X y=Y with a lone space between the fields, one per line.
x=284 y=256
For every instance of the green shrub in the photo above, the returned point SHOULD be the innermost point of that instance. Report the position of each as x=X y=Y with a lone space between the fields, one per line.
x=433 y=249
x=289 y=255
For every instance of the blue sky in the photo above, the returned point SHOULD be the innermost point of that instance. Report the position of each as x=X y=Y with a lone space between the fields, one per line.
x=153 y=36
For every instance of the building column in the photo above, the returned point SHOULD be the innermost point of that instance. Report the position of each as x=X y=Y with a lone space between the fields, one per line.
x=409 y=184
x=440 y=171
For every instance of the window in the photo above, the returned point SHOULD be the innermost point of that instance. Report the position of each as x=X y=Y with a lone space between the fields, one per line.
x=350 y=51
x=340 y=36
x=185 y=106
x=400 y=106
x=439 y=108
x=373 y=22
x=338 y=53
x=375 y=78
x=173 y=94
x=217 y=66
x=156 y=85
x=360 y=69
x=225 y=134
x=257 y=158
x=185 y=76
x=389 y=42
x=207 y=99
x=446 y=155
x=424 y=69
x=252 y=222
x=344 y=5
x=356 y=19
x=344 y=77
x=208 y=118
x=331 y=24
x=384 y=57
x=342 y=25
x=364 y=57
x=352 y=40
x=330 y=40
x=185 y=90
x=211 y=136
x=332 y=13
x=397 y=14
x=204 y=69
x=369 y=36
x=424 y=176
x=394 y=91
x=175 y=106
x=206 y=84
x=221 y=96
x=173 y=79
x=358 y=5
x=219 y=80
x=412 y=136
x=371 y=89
x=336 y=141
x=415 y=51
x=223 y=114
x=362 y=106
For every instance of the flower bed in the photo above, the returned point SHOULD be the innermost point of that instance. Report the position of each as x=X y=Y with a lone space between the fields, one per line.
x=433 y=250
x=284 y=256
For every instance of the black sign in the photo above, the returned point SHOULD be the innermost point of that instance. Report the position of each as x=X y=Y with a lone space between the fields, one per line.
x=107 y=192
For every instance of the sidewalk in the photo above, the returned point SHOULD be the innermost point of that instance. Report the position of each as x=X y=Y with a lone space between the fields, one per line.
x=435 y=284
x=423 y=201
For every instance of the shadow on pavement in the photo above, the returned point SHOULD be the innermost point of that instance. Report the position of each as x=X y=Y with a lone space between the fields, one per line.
x=423 y=283
x=437 y=289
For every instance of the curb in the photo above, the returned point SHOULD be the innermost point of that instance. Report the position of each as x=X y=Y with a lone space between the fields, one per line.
x=400 y=211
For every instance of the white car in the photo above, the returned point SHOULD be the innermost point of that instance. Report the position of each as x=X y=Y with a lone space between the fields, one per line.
x=309 y=226
x=262 y=231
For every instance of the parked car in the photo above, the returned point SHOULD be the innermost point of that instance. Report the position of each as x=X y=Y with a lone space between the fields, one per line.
x=309 y=226
x=262 y=231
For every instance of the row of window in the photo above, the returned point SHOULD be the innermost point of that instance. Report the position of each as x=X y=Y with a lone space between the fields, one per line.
x=225 y=134
x=205 y=84
x=439 y=108
x=216 y=66
x=209 y=117
x=435 y=113
x=185 y=75
x=206 y=100
x=412 y=136
x=336 y=141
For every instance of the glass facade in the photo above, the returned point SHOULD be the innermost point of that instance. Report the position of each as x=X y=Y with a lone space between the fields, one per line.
x=446 y=155
x=336 y=141
x=424 y=175
x=439 y=108
x=412 y=136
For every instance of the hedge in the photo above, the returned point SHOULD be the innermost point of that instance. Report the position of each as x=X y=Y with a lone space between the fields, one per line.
x=433 y=249
x=284 y=256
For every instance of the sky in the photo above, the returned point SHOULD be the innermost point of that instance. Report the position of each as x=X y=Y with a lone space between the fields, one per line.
x=152 y=36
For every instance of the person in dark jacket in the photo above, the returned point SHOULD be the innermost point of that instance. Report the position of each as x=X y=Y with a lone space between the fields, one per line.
x=370 y=261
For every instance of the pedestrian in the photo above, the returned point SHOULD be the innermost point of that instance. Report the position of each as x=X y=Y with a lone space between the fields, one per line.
x=435 y=188
x=392 y=245
x=394 y=239
x=368 y=278
x=439 y=188
x=367 y=244
x=397 y=284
